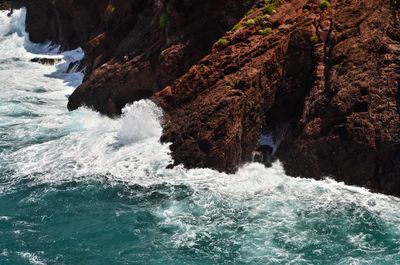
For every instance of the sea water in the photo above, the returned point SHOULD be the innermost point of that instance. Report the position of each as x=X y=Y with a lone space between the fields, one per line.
x=80 y=188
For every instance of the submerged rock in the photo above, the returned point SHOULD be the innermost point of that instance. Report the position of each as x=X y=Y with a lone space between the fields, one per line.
x=46 y=61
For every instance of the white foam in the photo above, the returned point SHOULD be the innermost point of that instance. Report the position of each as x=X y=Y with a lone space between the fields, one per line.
x=140 y=121
x=32 y=258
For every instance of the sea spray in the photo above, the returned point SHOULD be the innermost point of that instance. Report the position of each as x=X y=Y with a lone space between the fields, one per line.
x=140 y=120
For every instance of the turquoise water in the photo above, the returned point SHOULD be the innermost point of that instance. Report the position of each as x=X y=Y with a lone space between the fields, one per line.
x=79 y=188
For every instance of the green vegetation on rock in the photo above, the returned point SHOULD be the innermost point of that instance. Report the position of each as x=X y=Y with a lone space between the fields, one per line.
x=251 y=11
x=222 y=42
x=262 y=18
x=271 y=5
x=314 y=38
x=237 y=27
x=324 y=4
x=164 y=19
x=266 y=31
x=250 y=22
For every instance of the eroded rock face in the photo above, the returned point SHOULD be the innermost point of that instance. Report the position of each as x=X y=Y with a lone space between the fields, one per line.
x=350 y=126
x=146 y=45
x=332 y=74
x=216 y=111
x=133 y=48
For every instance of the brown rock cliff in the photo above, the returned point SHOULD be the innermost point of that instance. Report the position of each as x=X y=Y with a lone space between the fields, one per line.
x=133 y=48
x=333 y=74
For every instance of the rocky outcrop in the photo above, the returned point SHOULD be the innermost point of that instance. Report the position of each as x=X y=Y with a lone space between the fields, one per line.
x=46 y=61
x=5 y=4
x=133 y=48
x=146 y=45
x=329 y=70
x=332 y=73
x=350 y=125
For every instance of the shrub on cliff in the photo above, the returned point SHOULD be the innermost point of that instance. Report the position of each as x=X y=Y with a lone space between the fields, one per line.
x=324 y=4
x=271 y=5
x=222 y=42
x=266 y=31
x=315 y=38
x=269 y=9
x=164 y=19
x=250 y=22
x=261 y=19
x=237 y=27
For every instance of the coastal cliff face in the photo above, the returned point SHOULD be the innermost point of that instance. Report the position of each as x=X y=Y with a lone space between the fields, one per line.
x=133 y=48
x=329 y=70
x=332 y=73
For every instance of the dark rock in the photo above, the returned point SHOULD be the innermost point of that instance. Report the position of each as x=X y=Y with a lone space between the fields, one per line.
x=152 y=42
x=77 y=66
x=63 y=22
x=145 y=55
x=5 y=4
x=46 y=61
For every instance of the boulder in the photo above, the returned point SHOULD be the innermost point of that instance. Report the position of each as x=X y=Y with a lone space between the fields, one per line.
x=45 y=61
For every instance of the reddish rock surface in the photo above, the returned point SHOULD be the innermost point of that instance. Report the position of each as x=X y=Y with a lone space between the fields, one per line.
x=350 y=125
x=133 y=48
x=147 y=45
x=333 y=74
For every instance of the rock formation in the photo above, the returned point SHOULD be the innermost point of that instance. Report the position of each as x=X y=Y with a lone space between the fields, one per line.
x=328 y=69
x=5 y=4
x=133 y=48
x=46 y=61
x=333 y=73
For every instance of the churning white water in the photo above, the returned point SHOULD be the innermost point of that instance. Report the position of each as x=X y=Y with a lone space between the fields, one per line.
x=80 y=188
